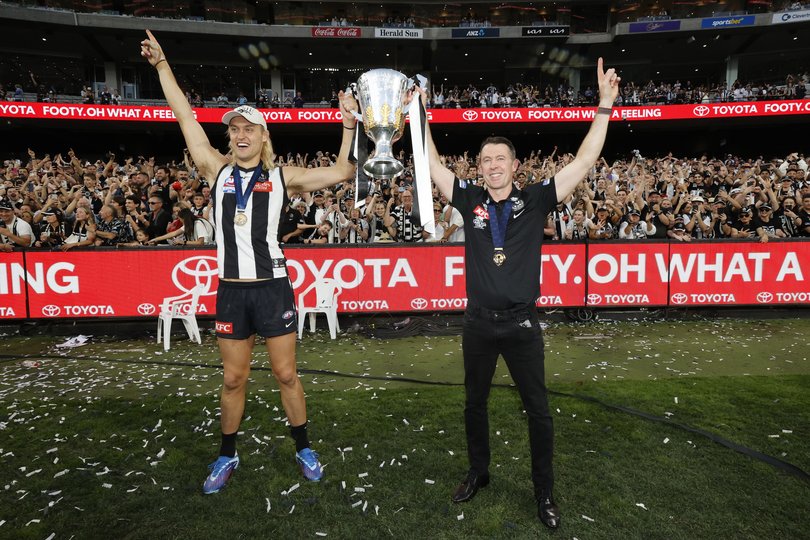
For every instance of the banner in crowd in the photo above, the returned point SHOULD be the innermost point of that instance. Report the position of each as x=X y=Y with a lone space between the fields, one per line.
x=62 y=111
x=133 y=283
x=728 y=22
x=799 y=15
x=654 y=26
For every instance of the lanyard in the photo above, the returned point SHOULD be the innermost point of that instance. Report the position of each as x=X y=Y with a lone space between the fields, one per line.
x=242 y=198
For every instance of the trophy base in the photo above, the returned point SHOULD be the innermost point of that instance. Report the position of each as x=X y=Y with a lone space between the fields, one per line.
x=383 y=168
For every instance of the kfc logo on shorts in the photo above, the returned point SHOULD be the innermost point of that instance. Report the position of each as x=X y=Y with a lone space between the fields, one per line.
x=594 y=299
x=765 y=298
x=679 y=298
x=224 y=327
x=470 y=115
x=701 y=110
x=419 y=303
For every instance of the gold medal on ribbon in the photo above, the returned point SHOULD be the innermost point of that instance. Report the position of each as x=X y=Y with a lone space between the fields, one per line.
x=240 y=219
x=499 y=257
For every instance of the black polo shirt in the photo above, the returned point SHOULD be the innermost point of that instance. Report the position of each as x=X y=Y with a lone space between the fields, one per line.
x=517 y=281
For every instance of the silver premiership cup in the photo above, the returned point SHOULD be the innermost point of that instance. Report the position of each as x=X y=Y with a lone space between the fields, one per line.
x=382 y=93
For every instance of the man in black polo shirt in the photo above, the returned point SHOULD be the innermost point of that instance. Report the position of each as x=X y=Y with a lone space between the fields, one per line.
x=503 y=229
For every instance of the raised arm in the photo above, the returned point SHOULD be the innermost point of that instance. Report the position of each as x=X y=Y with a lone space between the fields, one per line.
x=441 y=175
x=303 y=179
x=207 y=158
x=590 y=149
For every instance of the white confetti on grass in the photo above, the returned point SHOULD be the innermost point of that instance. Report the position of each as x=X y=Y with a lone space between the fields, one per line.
x=587 y=518
x=293 y=488
x=666 y=440
x=51 y=536
x=641 y=505
x=318 y=533
x=429 y=481
x=460 y=516
x=269 y=506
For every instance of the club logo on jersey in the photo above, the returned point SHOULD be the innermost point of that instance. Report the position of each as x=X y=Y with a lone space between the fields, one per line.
x=479 y=222
x=287 y=315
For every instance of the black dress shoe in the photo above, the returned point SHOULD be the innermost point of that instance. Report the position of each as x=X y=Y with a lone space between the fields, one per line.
x=548 y=512
x=469 y=487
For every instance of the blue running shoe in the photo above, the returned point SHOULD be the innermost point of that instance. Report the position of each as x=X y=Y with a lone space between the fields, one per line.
x=221 y=471
x=310 y=466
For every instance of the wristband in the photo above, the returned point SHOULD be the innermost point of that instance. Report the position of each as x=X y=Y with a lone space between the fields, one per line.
x=159 y=61
x=350 y=128
x=604 y=110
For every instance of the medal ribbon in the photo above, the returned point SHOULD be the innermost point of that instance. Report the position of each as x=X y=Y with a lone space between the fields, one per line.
x=498 y=223
x=242 y=198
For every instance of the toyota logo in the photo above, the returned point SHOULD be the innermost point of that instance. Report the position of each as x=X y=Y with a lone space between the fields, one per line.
x=764 y=297
x=201 y=269
x=679 y=298
x=594 y=298
x=146 y=309
x=419 y=303
x=470 y=116
x=701 y=110
x=51 y=310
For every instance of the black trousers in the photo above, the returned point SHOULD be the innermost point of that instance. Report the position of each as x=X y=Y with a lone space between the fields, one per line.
x=516 y=335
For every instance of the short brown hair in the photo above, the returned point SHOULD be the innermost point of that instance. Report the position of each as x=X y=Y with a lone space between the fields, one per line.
x=499 y=140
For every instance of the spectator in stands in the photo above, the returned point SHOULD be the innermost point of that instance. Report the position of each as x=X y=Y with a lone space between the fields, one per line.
x=803 y=217
x=407 y=227
x=634 y=228
x=14 y=232
x=766 y=226
x=105 y=96
x=222 y=101
x=87 y=96
x=381 y=224
x=158 y=218
x=355 y=229
x=293 y=220
x=193 y=231
x=298 y=101
x=319 y=234
x=82 y=230
x=108 y=227
x=578 y=227
x=53 y=233
x=678 y=231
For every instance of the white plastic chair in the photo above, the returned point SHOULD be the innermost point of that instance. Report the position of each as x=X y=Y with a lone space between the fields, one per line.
x=184 y=308
x=326 y=295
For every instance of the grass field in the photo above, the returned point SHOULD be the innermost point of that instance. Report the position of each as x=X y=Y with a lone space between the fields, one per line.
x=111 y=440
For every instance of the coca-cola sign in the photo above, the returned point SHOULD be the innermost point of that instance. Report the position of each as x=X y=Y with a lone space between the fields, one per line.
x=335 y=31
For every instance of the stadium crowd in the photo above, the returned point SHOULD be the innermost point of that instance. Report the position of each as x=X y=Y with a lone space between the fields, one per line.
x=64 y=203
x=792 y=86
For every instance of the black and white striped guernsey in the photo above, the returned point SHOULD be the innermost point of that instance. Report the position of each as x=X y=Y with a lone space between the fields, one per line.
x=248 y=251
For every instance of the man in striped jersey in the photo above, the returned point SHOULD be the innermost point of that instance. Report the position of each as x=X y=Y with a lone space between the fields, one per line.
x=255 y=295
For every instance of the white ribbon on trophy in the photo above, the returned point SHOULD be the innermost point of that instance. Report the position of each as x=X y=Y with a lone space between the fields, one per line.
x=381 y=95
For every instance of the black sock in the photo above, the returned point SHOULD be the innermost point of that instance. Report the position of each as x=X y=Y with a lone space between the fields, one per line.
x=228 y=447
x=299 y=434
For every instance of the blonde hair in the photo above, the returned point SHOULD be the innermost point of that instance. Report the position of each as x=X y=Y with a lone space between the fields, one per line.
x=268 y=157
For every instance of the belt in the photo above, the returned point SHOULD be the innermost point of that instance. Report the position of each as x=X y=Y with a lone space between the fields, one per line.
x=495 y=314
